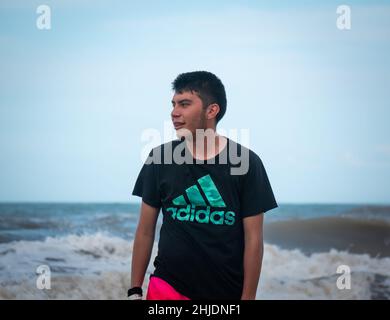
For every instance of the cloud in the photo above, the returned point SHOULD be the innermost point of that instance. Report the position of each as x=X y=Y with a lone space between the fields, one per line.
x=239 y=25
x=351 y=159
x=378 y=156
x=383 y=149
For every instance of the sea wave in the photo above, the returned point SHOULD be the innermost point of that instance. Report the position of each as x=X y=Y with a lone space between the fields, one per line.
x=20 y=222
x=97 y=266
x=291 y=274
x=352 y=234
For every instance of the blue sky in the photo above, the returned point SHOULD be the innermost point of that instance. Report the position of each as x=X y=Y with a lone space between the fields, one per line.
x=74 y=100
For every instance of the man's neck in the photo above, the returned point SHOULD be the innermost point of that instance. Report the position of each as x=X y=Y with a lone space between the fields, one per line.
x=206 y=146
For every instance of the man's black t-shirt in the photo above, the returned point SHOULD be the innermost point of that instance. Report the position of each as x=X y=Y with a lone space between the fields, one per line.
x=201 y=246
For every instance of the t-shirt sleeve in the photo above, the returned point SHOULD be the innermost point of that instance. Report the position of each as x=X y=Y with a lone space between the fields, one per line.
x=147 y=185
x=256 y=193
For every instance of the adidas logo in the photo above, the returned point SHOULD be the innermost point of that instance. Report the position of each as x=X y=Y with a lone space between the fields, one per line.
x=210 y=198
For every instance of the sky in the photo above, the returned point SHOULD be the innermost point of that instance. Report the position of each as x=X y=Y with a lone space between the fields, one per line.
x=76 y=99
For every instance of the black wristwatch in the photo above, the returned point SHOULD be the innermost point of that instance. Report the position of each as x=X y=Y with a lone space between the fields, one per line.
x=134 y=293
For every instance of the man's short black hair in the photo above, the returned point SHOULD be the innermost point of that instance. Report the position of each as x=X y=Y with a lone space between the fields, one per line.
x=207 y=85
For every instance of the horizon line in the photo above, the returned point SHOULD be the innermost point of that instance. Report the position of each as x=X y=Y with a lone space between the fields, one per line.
x=138 y=203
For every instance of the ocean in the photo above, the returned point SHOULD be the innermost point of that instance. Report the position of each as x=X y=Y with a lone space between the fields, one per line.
x=88 y=248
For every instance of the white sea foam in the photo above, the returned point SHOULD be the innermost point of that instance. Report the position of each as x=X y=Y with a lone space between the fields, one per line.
x=289 y=274
x=97 y=266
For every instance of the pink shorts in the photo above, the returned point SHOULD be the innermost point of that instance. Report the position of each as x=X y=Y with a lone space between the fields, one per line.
x=159 y=289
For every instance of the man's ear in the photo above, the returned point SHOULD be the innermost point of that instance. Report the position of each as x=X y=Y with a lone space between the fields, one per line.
x=212 y=111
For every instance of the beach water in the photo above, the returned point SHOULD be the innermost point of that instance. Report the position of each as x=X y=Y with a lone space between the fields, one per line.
x=88 y=249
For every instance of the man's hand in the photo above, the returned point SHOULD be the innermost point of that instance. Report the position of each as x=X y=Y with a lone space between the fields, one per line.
x=135 y=297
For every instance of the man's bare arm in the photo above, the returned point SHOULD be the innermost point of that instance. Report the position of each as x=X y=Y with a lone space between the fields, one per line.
x=143 y=243
x=253 y=255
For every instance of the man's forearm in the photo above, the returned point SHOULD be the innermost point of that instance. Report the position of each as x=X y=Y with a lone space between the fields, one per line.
x=253 y=257
x=142 y=250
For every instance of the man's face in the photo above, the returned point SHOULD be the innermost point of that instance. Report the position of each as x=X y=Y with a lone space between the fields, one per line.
x=187 y=113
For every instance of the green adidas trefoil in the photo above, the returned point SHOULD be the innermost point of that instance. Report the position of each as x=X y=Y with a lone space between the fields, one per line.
x=212 y=199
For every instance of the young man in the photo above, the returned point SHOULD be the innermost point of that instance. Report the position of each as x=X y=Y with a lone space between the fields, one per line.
x=211 y=243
